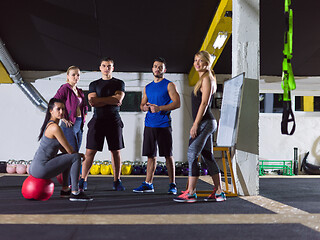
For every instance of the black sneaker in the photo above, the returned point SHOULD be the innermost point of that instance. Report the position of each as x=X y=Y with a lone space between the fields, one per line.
x=85 y=185
x=65 y=194
x=80 y=197
x=117 y=186
x=81 y=184
x=172 y=189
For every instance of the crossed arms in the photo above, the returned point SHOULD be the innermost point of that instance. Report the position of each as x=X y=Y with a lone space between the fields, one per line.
x=115 y=99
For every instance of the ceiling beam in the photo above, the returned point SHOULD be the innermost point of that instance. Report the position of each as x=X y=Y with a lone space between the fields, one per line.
x=221 y=23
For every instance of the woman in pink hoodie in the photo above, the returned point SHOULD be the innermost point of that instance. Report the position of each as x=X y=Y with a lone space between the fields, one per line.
x=76 y=108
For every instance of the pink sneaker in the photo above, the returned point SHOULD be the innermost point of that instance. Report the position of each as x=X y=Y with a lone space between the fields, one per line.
x=186 y=197
x=213 y=197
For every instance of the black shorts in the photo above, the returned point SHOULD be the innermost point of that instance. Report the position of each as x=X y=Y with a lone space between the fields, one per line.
x=100 y=129
x=154 y=136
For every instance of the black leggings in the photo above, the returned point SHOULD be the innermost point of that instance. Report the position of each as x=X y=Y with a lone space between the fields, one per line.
x=202 y=143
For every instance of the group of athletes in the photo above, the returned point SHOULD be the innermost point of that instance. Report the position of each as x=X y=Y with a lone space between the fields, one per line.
x=62 y=130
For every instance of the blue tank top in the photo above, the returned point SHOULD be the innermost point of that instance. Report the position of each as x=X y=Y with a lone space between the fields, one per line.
x=157 y=93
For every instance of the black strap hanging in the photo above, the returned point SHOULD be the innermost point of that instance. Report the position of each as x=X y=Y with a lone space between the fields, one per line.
x=287 y=116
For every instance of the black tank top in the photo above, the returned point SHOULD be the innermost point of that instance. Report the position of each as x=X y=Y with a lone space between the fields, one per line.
x=196 y=101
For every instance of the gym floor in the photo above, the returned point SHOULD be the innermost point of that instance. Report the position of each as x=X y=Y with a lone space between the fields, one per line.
x=287 y=208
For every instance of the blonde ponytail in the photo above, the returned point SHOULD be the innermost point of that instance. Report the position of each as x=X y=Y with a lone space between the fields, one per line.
x=199 y=83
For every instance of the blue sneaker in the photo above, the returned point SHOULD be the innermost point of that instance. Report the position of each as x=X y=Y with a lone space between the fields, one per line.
x=186 y=197
x=172 y=189
x=145 y=187
x=117 y=186
x=85 y=185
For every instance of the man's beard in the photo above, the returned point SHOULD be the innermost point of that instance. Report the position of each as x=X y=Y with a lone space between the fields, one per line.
x=158 y=76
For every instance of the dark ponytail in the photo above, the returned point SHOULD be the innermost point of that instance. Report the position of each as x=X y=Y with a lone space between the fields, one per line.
x=48 y=115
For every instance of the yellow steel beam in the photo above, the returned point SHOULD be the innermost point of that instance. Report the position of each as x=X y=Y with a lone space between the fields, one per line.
x=220 y=23
x=4 y=76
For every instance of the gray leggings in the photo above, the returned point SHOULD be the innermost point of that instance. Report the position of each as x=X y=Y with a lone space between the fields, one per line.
x=61 y=163
x=202 y=143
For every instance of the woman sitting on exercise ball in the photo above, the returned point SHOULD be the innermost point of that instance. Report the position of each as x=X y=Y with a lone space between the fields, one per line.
x=47 y=163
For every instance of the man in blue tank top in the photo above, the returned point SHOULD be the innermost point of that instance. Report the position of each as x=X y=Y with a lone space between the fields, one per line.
x=160 y=97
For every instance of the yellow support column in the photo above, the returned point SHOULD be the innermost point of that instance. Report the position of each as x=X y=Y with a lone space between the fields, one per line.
x=4 y=76
x=221 y=26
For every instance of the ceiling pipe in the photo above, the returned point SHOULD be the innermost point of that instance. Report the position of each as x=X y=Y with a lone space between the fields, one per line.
x=14 y=73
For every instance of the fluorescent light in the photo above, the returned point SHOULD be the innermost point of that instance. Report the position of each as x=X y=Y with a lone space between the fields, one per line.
x=221 y=38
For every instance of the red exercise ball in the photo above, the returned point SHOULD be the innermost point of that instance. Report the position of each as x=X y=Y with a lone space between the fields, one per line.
x=37 y=188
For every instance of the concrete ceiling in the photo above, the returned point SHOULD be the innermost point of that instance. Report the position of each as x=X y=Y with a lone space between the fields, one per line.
x=54 y=34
